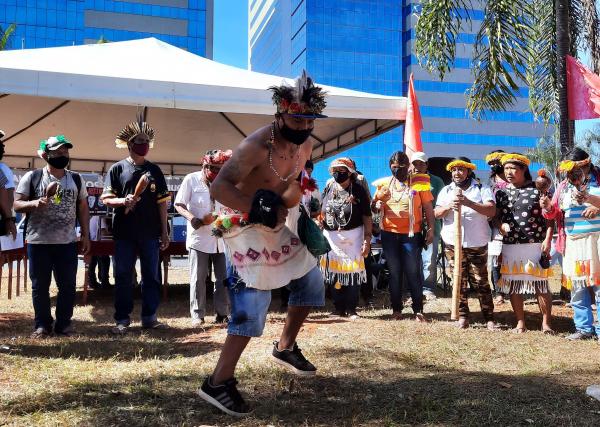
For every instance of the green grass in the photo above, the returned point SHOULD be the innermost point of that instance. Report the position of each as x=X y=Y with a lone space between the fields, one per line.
x=373 y=371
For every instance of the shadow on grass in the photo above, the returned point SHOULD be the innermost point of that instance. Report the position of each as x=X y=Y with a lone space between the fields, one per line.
x=447 y=398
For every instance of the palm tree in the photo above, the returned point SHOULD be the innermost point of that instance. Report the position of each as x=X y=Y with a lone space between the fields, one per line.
x=5 y=35
x=520 y=42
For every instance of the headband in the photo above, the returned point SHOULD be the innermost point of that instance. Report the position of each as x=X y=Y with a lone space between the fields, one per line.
x=460 y=164
x=569 y=165
x=514 y=158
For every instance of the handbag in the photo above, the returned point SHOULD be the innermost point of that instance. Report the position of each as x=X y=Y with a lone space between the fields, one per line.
x=311 y=235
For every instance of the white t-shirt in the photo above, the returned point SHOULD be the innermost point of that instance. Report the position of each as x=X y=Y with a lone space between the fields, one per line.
x=476 y=230
x=194 y=194
x=7 y=179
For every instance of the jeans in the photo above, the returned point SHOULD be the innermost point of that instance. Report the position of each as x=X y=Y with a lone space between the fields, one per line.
x=583 y=316
x=126 y=252
x=60 y=259
x=403 y=256
x=198 y=273
x=430 y=256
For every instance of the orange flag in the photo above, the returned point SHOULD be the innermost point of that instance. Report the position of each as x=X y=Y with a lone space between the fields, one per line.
x=583 y=91
x=413 y=124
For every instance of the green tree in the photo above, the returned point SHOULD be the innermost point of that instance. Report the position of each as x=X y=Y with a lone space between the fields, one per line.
x=520 y=42
x=5 y=35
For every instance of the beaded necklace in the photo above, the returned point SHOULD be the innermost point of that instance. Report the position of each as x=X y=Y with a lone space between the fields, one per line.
x=336 y=206
x=275 y=171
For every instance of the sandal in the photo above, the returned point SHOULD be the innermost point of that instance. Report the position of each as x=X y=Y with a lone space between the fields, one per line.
x=463 y=323
x=548 y=331
x=492 y=326
x=519 y=330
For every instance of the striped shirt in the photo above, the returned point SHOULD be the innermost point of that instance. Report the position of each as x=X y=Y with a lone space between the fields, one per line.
x=575 y=223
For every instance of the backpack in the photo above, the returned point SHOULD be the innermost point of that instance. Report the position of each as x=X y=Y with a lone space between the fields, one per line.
x=36 y=178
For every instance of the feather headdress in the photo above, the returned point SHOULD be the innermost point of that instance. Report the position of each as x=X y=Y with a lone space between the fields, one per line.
x=133 y=129
x=302 y=100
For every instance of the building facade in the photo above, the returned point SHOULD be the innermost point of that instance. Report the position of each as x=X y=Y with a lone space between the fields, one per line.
x=187 y=24
x=368 y=45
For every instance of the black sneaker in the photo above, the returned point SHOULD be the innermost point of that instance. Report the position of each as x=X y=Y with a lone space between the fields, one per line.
x=221 y=319
x=224 y=396
x=294 y=361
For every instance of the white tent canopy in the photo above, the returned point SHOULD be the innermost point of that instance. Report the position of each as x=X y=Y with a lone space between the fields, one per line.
x=89 y=92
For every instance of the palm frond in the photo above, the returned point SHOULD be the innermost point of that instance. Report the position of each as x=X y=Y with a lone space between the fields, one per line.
x=500 y=56
x=541 y=62
x=437 y=29
x=585 y=30
x=5 y=35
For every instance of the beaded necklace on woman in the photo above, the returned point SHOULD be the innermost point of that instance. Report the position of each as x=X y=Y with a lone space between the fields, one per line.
x=396 y=195
x=337 y=205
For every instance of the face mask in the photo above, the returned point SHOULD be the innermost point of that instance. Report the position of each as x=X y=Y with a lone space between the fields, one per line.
x=497 y=169
x=340 y=176
x=210 y=175
x=140 y=149
x=293 y=135
x=400 y=174
x=59 y=162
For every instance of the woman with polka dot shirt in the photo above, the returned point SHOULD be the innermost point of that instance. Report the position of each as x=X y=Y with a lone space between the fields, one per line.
x=527 y=238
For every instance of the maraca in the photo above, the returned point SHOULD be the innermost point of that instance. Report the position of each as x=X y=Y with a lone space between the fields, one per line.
x=139 y=188
x=543 y=182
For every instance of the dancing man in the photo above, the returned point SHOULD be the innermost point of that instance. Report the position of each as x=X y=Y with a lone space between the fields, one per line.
x=261 y=179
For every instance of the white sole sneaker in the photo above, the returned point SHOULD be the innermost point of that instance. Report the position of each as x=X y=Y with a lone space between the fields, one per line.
x=293 y=369
x=217 y=405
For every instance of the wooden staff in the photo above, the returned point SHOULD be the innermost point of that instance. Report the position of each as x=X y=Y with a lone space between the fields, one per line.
x=457 y=273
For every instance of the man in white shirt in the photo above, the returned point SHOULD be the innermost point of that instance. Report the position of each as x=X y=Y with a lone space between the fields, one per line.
x=194 y=203
x=477 y=205
x=7 y=194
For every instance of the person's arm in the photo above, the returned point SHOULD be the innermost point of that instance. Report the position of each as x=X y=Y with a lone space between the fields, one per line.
x=367 y=234
x=6 y=202
x=442 y=208
x=245 y=158
x=487 y=208
x=83 y=216
x=428 y=209
x=547 y=243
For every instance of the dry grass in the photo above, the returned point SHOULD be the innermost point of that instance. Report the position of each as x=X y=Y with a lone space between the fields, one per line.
x=373 y=371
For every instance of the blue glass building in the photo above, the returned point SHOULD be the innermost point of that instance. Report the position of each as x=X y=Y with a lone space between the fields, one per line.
x=46 y=23
x=368 y=45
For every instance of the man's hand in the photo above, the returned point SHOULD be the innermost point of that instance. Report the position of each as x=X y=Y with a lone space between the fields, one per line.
x=196 y=223
x=590 y=212
x=545 y=202
x=85 y=245
x=383 y=194
x=282 y=213
x=208 y=218
x=580 y=196
x=11 y=228
x=40 y=203
x=504 y=229
x=129 y=201
x=164 y=241
x=429 y=237
x=366 y=248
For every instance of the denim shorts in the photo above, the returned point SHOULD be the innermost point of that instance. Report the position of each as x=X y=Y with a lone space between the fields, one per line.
x=249 y=306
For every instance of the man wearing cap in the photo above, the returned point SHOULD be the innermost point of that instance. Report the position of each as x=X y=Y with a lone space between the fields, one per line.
x=53 y=199
x=430 y=254
x=194 y=203
x=7 y=193
x=137 y=191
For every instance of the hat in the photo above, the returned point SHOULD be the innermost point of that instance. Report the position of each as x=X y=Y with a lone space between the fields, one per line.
x=515 y=158
x=419 y=155
x=53 y=143
x=216 y=157
x=304 y=100
x=345 y=162
x=133 y=129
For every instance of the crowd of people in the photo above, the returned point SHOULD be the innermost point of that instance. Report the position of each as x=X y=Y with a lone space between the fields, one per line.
x=257 y=218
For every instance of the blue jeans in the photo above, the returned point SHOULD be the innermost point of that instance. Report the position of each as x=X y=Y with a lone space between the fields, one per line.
x=62 y=261
x=249 y=305
x=403 y=256
x=583 y=316
x=430 y=256
x=126 y=252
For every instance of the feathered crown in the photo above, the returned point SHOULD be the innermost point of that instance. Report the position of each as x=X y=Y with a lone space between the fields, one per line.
x=302 y=100
x=134 y=129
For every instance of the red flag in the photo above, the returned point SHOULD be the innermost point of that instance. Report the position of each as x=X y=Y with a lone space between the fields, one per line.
x=583 y=91
x=413 y=124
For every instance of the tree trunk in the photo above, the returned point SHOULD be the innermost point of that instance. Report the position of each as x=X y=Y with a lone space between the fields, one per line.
x=562 y=49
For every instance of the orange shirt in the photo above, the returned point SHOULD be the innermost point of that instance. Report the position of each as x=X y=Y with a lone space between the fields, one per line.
x=395 y=214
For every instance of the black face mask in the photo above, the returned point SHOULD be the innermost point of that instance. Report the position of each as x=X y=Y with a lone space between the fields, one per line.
x=59 y=162
x=497 y=168
x=295 y=136
x=340 y=176
x=400 y=174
